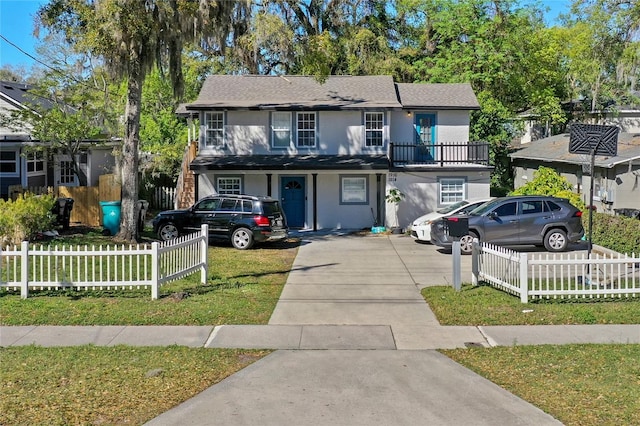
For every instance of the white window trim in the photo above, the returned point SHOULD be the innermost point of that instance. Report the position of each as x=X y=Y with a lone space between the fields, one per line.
x=314 y=130
x=380 y=131
x=219 y=180
x=206 y=129
x=462 y=193
x=275 y=129
x=361 y=195
x=35 y=158
x=16 y=161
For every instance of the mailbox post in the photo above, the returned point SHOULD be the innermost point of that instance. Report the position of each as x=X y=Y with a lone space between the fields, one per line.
x=457 y=227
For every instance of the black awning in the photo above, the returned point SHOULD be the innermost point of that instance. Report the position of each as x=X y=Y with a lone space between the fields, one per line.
x=290 y=162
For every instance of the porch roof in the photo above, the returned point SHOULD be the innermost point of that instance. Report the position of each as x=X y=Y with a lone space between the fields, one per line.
x=290 y=162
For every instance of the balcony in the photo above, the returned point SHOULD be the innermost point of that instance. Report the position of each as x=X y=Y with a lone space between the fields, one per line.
x=460 y=154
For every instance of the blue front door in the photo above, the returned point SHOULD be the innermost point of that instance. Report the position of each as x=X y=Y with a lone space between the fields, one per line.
x=425 y=138
x=293 y=197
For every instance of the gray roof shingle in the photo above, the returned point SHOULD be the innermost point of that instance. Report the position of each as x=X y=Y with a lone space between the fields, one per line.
x=439 y=96
x=556 y=149
x=337 y=92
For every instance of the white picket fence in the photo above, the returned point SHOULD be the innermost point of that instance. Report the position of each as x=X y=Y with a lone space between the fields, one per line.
x=111 y=267
x=164 y=198
x=557 y=275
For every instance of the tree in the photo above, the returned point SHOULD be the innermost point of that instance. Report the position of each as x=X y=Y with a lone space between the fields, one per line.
x=132 y=37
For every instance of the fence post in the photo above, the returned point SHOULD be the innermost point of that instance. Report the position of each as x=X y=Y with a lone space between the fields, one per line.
x=475 y=261
x=155 y=260
x=524 y=278
x=24 y=269
x=204 y=253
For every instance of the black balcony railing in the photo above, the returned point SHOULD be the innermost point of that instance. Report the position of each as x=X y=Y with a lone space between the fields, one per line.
x=439 y=154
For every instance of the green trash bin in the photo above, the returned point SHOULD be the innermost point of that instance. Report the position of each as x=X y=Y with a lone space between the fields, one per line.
x=111 y=216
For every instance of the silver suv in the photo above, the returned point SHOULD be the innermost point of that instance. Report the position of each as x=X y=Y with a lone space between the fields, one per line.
x=520 y=220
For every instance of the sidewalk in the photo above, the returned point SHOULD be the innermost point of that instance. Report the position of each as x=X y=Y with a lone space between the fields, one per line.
x=363 y=339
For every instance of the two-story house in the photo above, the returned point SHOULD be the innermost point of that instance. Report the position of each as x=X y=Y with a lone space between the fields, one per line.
x=332 y=151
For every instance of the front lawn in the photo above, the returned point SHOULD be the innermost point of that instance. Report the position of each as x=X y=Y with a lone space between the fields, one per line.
x=90 y=385
x=581 y=385
x=484 y=305
x=578 y=384
x=243 y=287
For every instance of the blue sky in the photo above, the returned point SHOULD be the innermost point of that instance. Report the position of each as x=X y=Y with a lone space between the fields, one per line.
x=16 y=25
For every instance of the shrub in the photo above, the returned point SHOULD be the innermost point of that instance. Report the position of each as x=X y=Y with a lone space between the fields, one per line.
x=618 y=233
x=546 y=181
x=25 y=217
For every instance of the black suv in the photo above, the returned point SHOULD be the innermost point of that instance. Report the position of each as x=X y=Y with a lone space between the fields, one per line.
x=241 y=219
x=519 y=220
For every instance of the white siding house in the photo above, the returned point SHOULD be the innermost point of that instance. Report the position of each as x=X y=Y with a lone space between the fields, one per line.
x=332 y=151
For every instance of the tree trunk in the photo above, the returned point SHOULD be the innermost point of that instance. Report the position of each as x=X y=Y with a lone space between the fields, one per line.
x=129 y=207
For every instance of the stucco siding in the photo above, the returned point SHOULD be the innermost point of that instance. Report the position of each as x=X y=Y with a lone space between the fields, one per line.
x=627 y=187
x=331 y=214
x=451 y=126
x=421 y=191
x=338 y=133
x=101 y=161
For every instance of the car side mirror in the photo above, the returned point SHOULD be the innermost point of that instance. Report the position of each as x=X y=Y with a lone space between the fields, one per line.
x=492 y=215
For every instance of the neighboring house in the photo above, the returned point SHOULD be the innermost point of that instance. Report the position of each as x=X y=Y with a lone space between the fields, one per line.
x=626 y=117
x=20 y=165
x=616 y=179
x=331 y=151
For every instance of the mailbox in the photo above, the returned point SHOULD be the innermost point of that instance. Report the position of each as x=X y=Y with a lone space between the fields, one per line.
x=457 y=227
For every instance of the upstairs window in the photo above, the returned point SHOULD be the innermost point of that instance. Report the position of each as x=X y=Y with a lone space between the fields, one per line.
x=214 y=129
x=281 y=129
x=306 y=129
x=373 y=127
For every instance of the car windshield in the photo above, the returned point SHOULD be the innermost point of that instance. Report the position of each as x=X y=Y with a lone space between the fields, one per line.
x=453 y=207
x=483 y=208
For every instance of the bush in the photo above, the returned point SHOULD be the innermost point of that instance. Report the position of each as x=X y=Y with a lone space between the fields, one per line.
x=25 y=217
x=618 y=233
x=546 y=181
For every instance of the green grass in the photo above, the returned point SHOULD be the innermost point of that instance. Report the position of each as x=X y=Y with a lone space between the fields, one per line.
x=577 y=384
x=92 y=385
x=242 y=288
x=484 y=305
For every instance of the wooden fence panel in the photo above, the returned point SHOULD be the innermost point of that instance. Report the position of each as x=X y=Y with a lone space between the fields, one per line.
x=86 y=199
x=110 y=188
x=86 y=204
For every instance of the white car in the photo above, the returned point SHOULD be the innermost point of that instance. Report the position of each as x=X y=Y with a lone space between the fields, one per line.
x=421 y=227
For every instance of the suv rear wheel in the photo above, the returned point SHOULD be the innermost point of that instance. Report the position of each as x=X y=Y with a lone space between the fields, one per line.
x=168 y=231
x=556 y=240
x=242 y=239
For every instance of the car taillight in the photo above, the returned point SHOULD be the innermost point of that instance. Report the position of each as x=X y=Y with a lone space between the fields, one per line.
x=262 y=220
x=577 y=214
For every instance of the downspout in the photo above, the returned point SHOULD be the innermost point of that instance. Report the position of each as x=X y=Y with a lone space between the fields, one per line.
x=378 y=197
